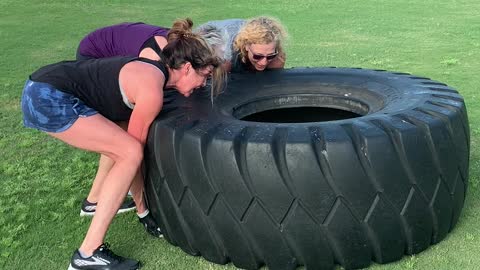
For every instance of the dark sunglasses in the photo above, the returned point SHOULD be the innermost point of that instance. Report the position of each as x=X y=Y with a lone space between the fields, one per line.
x=259 y=57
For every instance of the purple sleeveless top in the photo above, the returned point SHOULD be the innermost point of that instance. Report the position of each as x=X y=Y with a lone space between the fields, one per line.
x=125 y=39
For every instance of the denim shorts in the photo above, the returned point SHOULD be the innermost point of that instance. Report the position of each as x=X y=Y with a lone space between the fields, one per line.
x=49 y=109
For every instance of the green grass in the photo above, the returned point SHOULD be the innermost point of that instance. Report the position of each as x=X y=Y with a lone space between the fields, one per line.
x=42 y=181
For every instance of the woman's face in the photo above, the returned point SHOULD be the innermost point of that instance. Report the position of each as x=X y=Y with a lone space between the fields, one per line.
x=261 y=54
x=192 y=79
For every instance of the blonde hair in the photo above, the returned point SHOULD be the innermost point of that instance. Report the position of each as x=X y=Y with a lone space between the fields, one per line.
x=184 y=46
x=260 y=30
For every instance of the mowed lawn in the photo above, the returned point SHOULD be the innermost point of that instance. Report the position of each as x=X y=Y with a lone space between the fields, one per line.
x=42 y=181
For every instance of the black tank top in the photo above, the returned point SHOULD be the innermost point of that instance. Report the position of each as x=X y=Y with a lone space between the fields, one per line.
x=152 y=44
x=94 y=81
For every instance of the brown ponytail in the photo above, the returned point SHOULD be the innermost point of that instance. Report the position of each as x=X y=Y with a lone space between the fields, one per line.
x=180 y=28
x=185 y=46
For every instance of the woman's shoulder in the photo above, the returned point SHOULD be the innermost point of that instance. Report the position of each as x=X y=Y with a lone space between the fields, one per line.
x=144 y=70
x=139 y=78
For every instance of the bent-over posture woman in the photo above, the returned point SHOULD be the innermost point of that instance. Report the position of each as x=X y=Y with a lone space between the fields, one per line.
x=124 y=39
x=79 y=103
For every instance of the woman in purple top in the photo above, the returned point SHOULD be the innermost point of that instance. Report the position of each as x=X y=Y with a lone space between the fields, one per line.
x=125 y=39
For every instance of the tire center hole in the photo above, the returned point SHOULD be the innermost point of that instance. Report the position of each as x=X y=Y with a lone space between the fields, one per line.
x=300 y=115
x=300 y=109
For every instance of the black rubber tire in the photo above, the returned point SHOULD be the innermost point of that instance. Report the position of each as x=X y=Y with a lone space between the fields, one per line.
x=375 y=187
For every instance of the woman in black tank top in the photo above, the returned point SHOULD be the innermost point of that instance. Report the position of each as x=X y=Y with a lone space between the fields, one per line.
x=79 y=105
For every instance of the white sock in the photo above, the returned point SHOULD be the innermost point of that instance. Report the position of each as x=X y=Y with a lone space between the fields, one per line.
x=83 y=255
x=144 y=214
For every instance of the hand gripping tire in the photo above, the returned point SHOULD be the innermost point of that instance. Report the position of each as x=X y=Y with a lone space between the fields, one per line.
x=252 y=181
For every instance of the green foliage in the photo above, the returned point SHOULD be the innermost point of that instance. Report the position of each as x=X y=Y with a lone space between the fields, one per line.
x=42 y=181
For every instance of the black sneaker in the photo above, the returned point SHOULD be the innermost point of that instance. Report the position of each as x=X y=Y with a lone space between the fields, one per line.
x=151 y=226
x=102 y=259
x=88 y=208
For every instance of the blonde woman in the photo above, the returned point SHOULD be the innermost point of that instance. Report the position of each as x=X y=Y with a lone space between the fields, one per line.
x=248 y=45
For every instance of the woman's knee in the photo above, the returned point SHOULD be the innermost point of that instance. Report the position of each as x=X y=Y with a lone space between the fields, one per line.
x=131 y=151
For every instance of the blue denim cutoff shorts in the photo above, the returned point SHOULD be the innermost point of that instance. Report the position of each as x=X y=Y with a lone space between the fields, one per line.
x=49 y=109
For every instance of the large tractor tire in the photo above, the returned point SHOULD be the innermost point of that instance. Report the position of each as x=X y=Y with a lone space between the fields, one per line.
x=312 y=167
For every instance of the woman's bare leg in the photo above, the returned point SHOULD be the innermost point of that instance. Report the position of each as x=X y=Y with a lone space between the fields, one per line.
x=98 y=134
x=104 y=165
x=137 y=192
